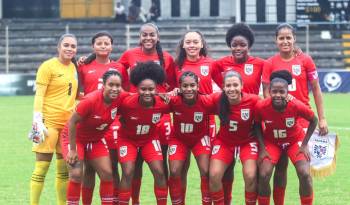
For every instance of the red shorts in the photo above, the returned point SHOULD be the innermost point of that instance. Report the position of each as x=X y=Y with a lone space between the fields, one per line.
x=179 y=150
x=227 y=154
x=164 y=128
x=151 y=151
x=111 y=135
x=275 y=150
x=212 y=127
x=85 y=150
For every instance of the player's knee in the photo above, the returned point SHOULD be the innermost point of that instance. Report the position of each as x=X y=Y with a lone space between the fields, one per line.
x=75 y=175
x=250 y=176
x=264 y=175
x=214 y=178
x=304 y=174
x=175 y=171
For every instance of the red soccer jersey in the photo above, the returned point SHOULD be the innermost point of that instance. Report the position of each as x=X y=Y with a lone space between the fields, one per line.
x=138 y=123
x=90 y=75
x=191 y=122
x=239 y=128
x=250 y=71
x=202 y=68
x=96 y=116
x=301 y=67
x=132 y=56
x=282 y=127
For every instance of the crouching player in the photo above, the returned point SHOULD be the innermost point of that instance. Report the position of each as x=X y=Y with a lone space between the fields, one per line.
x=235 y=138
x=283 y=133
x=191 y=133
x=85 y=143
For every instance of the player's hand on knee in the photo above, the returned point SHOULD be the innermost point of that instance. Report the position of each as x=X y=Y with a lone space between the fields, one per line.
x=303 y=149
x=263 y=154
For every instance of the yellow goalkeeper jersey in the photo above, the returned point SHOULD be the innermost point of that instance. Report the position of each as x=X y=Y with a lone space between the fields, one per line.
x=62 y=85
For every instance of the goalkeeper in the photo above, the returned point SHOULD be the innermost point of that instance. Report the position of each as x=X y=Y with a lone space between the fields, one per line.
x=56 y=88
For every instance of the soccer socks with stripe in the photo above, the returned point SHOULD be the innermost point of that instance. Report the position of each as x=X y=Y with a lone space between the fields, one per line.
x=37 y=181
x=73 y=193
x=218 y=197
x=61 y=181
x=227 y=185
x=250 y=198
x=86 y=195
x=278 y=195
x=306 y=200
x=161 y=194
x=124 y=196
x=135 y=195
x=206 y=199
x=263 y=200
x=175 y=188
x=106 y=192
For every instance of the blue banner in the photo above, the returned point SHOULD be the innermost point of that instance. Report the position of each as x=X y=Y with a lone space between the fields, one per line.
x=334 y=81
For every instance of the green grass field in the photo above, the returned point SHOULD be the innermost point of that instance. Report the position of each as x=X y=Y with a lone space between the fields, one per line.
x=17 y=161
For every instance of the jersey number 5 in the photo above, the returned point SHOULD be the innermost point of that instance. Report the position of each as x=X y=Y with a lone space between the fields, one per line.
x=233 y=126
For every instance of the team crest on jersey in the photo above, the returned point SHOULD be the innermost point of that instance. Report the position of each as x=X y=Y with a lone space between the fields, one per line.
x=290 y=122
x=248 y=69
x=215 y=150
x=245 y=114
x=155 y=118
x=198 y=116
x=114 y=113
x=123 y=151
x=204 y=70
x=296 y=69
x=172 y=149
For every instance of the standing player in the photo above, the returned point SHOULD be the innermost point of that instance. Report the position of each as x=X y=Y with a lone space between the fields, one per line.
x=235 y=138
x=140 y=115
x=239 y=38
x=283 y=133
x=151 y=50
x=191 y=133
x=304 y=73
x=56 y=89
x=85 y=143
x=90 y=79
x=191 y=55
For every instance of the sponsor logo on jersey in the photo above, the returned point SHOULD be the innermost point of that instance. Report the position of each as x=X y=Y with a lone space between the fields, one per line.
x=215 y=150
x=156 y=118
x=248 y=69
x=96 y=117
x=91 y=71
x=114 y=113
x=245 y=114
x=60 y=75
x=102 y=127
x=123 y=151
x=268 y=121
x=290 y=122
x=296 y=69
x=133 y=118
x=172 y=149
x=204 y=70
x=177 y=113
x=198 y=116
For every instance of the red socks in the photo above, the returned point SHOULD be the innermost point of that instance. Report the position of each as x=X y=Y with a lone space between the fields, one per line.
x=175 y=188
x=161 y=195
x=115 y=195
x=135 y=195
x=250 y=198
x=73 y=193
x=278 y=195
x=124 y=196
x=263 y=200
x=106 y=192
x=227 y=185
x=217 y=197
x=306 y=200
x=206 y=200
x=86 y=195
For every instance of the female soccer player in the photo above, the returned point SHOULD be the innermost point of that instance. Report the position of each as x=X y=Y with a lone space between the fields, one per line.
x=191 y=133
x=140 y=115
x=85 y=144
x=90 y=79
x=304 y=72
x=235 y=138
x=283 y=133
x=56 y=89
x=239 y=38
x=150 y=49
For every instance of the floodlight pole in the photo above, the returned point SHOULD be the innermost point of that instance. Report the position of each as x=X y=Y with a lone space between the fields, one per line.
x=7 y=49
x=238 y=11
